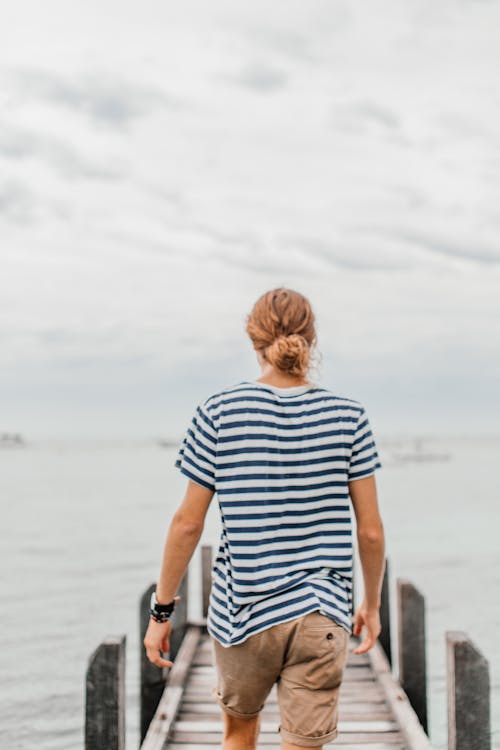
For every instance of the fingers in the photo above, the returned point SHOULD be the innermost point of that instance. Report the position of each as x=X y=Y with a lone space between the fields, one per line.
x=155 y=658
x=165 y=645
x=358 y=624
x=364 y=646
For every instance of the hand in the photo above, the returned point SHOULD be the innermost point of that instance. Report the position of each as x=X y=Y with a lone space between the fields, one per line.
x=370 y=618
x=157 y=639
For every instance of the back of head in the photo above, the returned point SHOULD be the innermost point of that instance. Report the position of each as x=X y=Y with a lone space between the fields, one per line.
x=281 y=327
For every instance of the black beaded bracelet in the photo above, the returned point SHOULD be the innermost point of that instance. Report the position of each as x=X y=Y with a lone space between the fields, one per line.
x=160 y=612
x=159 y=616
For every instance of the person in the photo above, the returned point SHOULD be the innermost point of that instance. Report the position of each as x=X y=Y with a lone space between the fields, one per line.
x=286 y=457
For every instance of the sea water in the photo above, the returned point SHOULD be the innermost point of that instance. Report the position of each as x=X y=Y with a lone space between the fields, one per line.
x=82 y=533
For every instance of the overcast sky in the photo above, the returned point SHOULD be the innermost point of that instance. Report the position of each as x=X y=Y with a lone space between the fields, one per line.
x=163 y=164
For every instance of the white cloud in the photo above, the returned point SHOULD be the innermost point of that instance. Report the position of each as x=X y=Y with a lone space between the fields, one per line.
x=161 y=167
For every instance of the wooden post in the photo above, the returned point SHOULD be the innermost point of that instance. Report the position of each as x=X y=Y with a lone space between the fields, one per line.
x=385 y=615
x=206 y=577
x=468 y=687
x=105 y=696
x=153 y=678
x=353 y=605
x=179 y=617
x=411 y=647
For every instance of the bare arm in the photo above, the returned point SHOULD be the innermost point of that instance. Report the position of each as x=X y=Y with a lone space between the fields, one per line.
x=371 y=545
x=183 y=535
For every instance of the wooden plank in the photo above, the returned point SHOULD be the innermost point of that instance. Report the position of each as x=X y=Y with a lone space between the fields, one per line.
x=274 y=716
x=375 y=745
x=208 y=727
x=376 y=700
x=412 y=730
x=368 y=688
x=393 y=745
x=169 y=704
x=201 y=707
x=363 y=738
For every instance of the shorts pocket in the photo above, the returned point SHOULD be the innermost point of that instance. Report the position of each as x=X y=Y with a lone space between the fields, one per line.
x=323 y=637
x=319 y=621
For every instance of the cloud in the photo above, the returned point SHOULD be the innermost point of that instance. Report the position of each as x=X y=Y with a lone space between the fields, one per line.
x=261 y=77
x=25 y=144
x=361 y=115
x=17 y=203
x=288 y=43
x=104 y=98
x=436 y=241
x=350 y=254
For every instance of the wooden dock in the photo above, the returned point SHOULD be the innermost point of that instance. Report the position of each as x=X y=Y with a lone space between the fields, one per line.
x=374 y=712
x=377 y=710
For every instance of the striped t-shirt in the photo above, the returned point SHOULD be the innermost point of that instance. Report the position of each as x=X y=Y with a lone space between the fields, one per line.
x=280 y=460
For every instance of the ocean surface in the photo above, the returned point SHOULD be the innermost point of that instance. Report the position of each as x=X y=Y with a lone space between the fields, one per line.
x=82 y=532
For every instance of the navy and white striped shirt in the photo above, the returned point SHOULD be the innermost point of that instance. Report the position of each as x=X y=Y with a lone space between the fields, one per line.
x=280 y=460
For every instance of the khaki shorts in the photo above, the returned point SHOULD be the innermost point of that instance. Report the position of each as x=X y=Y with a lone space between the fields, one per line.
x=305 y=657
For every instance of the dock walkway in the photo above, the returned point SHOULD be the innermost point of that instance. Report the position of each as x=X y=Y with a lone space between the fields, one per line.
x=377 y=710
x=374 y=712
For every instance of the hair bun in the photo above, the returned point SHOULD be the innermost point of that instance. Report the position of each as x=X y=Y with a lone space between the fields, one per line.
x=289 y=353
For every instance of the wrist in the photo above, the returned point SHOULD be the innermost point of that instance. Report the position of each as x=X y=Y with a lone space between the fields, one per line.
x=160 y=612
x=371 y=606
x=163 y=599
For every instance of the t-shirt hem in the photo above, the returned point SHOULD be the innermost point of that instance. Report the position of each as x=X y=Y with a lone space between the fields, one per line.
x=265 y=626
x=364 y=474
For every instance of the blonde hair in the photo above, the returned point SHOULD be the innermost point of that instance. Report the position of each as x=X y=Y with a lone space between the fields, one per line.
x=281 y=325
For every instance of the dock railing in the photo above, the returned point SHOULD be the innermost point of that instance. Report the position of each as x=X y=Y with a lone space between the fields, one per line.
x=468 y=680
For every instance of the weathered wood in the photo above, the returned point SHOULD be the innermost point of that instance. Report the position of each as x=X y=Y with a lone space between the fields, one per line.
x=353 y=604
x=274 y=716
x=411 y=646
x=468 y=687
x=153 y=678
x=105 y=696
x=402 y=710
x=394 y=744
x=179 y=617
x=168 y=707
x=206 y=576
x=385 y=615
x=215 y=738
x=206 y=726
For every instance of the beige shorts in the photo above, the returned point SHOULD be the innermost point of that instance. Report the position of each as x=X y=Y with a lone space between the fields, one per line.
x=305 y=657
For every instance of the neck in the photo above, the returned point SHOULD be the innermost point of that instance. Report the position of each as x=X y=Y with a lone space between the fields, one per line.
x=270 y=376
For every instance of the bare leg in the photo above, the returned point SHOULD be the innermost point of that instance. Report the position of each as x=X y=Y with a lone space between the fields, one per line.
x=240 y=734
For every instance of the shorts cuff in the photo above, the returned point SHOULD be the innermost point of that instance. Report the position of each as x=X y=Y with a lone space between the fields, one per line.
x=231 y=711
x=299 y=739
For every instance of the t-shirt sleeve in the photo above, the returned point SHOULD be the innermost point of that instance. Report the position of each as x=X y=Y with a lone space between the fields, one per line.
x=197 y=452
x=364 y=456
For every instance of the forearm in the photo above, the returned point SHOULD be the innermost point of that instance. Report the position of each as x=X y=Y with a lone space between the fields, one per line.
x=372 y=556
x=180 y=544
